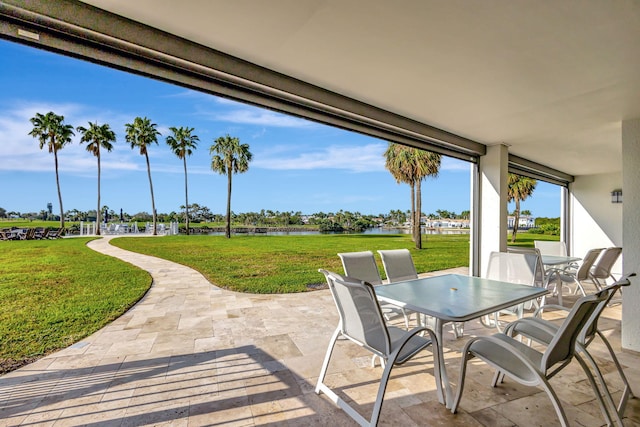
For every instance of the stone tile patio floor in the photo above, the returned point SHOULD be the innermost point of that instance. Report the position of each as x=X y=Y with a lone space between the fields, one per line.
x=191 y=354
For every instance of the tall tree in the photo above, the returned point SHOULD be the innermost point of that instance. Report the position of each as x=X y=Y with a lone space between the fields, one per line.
x=426 y=164
x=141 y=134
x=520 y=187
x=229 y=157
x=182 y=143
x=97 y=137
x=411 y=166
x=398 y=163
x=51 y=131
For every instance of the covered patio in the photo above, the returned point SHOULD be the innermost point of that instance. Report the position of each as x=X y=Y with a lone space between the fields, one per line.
x=546 y=89
x=192 y=354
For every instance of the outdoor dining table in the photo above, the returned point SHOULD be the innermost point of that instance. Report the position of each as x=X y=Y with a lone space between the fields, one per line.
x=556 y=263
x=552 y=260
x=454 y=298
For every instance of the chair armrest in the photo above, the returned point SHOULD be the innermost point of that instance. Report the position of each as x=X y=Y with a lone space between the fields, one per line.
x=504 y=345
x=555 y=306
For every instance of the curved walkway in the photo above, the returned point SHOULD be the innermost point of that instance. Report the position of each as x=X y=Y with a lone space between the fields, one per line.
x=191 y=354
x=188 y=353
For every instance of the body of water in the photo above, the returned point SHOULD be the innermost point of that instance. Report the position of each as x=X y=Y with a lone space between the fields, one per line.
x=376 y=230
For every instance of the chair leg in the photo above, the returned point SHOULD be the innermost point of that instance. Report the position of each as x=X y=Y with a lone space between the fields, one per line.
x=581 y=288
x=327 y=358
x=463 y=369
x=601 y=395
x=377 y=407
x=458 y=329
x=406 y=318
x=627 y=392
x=562 y=417
x=498 y=377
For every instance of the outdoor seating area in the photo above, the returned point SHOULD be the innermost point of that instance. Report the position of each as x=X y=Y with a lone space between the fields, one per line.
x=515 y=284
x=37 y=233
x=190 y=353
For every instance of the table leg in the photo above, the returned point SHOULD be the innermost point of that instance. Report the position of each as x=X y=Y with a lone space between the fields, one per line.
x=447 y=399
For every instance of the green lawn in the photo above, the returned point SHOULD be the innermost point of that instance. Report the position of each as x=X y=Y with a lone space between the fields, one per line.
x=281 y=264
x=525 y=239
x=53 y=293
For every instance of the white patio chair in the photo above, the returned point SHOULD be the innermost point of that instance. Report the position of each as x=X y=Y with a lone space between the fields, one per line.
x=543 y=331
x=362 y=266
x=547 y=247
x=398 y=266
x=544 y=278
x=579 y=275
x=551 y=248
x=514 y=267
x=527 y=365
x=361 y=321
x=601 y=271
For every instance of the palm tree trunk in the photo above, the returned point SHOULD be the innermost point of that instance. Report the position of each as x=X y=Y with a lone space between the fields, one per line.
x=153 y=203
x=413 y=212
x=418 y=214
x=55 y=157
x=98 y=209
x=516 y=220
x=228 y=228
x=186 y=196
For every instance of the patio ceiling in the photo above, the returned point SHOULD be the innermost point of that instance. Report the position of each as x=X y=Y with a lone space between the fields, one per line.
x=551 y=79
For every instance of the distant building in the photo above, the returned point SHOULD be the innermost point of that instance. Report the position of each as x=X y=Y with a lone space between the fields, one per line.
x=446 y=223
x=525 y=221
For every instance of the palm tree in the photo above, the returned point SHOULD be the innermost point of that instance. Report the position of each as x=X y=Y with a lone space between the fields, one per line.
x=398 y=162
x=182 y=143
x=52 y=132
x=411 y=166
x=426 y=164
x=229 y=157
x=520 y=187
x=141 y=134
x=97 y=137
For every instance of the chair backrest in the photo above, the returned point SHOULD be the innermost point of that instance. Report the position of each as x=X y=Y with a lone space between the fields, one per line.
x=533 y=260
x=562 y=347
x=398 y=265
x=602 y=269
x=515 y=267
x=551 y=248
x=361 y=265
x=361 y=319
x=589 y=331
x=587 y=262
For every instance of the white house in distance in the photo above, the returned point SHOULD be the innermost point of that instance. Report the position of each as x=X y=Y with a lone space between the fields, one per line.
x=525 y=221
x=445 y=223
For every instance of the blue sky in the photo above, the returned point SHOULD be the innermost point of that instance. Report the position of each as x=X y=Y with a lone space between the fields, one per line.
x=297 y=165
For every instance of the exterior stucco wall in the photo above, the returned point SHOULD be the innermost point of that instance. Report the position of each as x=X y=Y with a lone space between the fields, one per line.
x=631 y=232
x=597 y=223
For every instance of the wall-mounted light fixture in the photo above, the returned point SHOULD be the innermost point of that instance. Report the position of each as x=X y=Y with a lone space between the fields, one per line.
x=616 y=196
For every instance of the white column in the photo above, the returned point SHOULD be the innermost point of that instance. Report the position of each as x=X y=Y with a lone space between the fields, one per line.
x=492 y=212
x=631 y=232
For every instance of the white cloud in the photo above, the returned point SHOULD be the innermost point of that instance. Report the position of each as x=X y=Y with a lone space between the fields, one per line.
x=256 y=116
x=450 y=164
x=21 y=152
x=366 y=158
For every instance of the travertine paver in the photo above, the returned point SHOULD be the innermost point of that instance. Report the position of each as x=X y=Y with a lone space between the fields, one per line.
x=191 y=354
